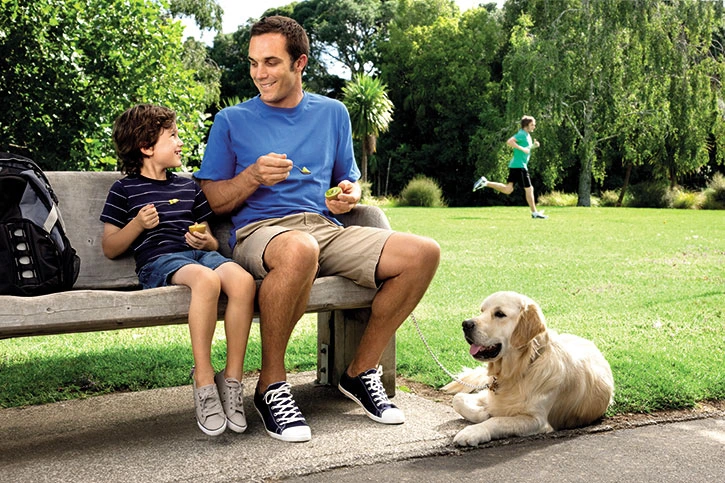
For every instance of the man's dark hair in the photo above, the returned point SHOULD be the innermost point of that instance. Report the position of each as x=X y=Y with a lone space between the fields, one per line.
x=139 y=128
x=297 y=41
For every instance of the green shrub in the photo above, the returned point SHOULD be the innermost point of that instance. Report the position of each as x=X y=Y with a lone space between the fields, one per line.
x=608 y=198
x=422 y=191
x=366 y=189
x=557 y=198
x=650 y=194
x=683 y=200
x=715 y=193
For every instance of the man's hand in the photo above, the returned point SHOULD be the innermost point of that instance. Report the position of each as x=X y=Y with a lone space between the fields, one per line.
x=346 y=200
x=270 y=169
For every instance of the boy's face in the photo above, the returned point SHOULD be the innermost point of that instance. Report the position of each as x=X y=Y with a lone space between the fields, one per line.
x=278 y=82
x=166 y=153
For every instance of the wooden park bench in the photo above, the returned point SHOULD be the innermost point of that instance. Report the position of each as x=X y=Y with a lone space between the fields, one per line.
x=107 y=294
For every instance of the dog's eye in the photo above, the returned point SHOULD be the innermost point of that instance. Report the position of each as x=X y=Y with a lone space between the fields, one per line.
x=499 y=314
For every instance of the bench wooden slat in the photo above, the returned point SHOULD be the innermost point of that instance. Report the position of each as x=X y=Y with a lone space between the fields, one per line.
x=87 y=310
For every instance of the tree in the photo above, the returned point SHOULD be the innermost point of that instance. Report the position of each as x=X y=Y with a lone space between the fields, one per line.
x=442 y=78
x=206 y=13
x=623 y=78
x=370 y=113
x=348 y=31
x=67 y=69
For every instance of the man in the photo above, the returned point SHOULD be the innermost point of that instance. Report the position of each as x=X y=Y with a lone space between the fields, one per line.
x=522 y=145
x=268 y=162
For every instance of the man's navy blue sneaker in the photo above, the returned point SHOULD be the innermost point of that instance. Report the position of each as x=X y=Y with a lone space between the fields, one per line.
x=367 y=390
x=280 y=414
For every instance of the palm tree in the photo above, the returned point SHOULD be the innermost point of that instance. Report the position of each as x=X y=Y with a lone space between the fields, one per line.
x=370 y=113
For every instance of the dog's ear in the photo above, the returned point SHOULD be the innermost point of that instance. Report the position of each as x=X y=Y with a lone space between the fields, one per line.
x=530 y=324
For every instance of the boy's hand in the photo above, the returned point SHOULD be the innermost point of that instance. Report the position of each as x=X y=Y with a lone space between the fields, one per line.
x=201 y=241
x=147 y=217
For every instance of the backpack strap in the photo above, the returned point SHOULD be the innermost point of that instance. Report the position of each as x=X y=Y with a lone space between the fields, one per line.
x=51 y=219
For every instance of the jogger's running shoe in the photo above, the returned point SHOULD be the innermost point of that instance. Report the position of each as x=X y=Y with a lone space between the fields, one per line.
x=280 y=414
x=481 y=183
x=230 y=393
x=367 y=390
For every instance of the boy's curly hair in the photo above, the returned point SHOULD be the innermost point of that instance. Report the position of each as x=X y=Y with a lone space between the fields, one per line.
x=139 y=127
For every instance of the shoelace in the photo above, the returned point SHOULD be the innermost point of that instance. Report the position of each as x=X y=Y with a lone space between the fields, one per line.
x=375 y=386
x=209 y=405
x=235 y=396
x=282 y=405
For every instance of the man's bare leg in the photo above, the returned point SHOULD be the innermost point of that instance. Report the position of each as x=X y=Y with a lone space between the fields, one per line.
x=291 y=259
x=506 y=189
x=530 y=198
x=407 y=266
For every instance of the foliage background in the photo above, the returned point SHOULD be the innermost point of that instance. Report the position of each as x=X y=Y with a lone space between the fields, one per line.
x=624 y=91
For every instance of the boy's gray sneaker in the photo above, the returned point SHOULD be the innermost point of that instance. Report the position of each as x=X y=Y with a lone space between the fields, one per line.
x=230 y=393
x=538 y=214
x=209 y=412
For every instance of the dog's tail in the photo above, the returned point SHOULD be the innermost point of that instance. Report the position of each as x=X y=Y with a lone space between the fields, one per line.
x=469 y=380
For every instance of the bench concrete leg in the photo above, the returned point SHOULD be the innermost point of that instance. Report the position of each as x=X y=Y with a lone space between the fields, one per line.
x=338 y=336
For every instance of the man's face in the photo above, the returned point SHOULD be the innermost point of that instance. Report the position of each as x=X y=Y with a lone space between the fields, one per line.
x=278 y=79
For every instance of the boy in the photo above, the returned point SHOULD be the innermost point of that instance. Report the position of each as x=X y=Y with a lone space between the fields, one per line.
x=150 y=211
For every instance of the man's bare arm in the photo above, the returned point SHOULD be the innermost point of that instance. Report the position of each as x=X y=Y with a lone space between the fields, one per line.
x=227 y=195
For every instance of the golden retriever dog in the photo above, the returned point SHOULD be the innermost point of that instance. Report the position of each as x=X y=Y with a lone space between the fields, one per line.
x=538 y=381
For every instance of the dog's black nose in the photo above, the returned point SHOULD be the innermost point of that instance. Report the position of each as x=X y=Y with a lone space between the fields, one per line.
x=468 y=324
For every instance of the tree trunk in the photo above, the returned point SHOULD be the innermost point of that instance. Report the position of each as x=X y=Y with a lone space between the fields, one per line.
x=585 y=183
x=625 y=185
x=364 y=165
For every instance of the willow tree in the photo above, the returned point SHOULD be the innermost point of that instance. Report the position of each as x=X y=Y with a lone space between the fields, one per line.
x=635 y=78
x=370 y=113
x=564 y=69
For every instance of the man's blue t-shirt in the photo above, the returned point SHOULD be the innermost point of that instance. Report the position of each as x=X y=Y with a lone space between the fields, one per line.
x=315 y=134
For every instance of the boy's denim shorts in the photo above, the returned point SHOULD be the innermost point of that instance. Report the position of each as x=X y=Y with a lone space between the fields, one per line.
x=158 y=272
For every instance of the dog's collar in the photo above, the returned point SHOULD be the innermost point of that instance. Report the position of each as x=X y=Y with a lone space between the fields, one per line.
x=493 y=385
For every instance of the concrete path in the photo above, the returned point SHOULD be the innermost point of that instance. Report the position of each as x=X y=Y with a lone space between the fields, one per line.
x=151 y=436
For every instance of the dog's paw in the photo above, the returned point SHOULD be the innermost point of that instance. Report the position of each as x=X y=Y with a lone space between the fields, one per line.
x=472 y=436
x=468 y=406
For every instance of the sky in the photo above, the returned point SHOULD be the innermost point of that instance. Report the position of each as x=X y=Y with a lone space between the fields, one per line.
x=237 y=12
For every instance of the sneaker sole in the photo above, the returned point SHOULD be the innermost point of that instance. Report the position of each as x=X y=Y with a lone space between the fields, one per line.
x=235 y=427
x=372 y=416
x=287 y=439
x=211 y=432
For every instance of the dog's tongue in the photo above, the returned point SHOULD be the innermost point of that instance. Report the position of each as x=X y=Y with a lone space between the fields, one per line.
x=475 y=348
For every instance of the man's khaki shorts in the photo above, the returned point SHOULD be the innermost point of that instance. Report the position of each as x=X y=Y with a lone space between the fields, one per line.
x=352 y=252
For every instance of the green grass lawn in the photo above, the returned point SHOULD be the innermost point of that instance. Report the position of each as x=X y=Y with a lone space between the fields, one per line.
x=647 y=286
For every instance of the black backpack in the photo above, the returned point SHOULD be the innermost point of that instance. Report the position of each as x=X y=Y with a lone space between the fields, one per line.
x=35 y=254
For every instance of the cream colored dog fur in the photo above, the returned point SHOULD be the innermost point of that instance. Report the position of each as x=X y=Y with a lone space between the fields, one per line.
x=540 y=381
